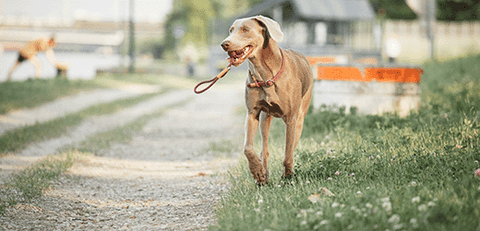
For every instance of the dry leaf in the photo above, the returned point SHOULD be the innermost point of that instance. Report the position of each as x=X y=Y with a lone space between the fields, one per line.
x=326 y=192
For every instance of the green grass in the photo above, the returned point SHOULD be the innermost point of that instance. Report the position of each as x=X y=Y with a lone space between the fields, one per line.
x=33 y=180
x=33 y=92
x=387 y=172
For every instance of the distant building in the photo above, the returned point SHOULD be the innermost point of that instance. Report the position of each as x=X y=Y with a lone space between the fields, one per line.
x=343 y=29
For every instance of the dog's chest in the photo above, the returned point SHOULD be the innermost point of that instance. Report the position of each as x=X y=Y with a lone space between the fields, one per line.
x=269 y=108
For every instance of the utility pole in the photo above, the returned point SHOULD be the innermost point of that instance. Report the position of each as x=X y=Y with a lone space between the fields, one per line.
x=131 y=47
x=431 y=18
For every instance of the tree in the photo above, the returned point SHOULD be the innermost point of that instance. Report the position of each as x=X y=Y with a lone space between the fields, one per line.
x=393 y=9
x=195 y=17
x=458 y=10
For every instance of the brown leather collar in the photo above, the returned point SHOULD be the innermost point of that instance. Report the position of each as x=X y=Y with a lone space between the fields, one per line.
x=269 y=82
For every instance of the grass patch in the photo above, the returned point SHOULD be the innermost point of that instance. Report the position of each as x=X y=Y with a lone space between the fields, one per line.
x=33 y=92
x=33 y=180
x=387 y=172
x=19 y=138
x=224 y=148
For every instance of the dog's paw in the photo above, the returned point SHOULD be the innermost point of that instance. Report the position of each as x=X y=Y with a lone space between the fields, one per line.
x=288 y=173
x=261 y=176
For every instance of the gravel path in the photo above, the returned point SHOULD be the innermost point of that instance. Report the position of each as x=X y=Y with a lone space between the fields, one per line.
x=164 y=179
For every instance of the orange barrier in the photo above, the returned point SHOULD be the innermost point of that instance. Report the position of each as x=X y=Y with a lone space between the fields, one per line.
x=314 y=60
x=380 y=74
x=384 y=74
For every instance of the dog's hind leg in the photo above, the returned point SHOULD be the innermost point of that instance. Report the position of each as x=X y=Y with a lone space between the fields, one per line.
x=265 y=121
x=254 y=163
x=301 y=116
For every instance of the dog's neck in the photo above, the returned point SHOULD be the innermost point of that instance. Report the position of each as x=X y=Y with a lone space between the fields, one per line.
x=268 y=63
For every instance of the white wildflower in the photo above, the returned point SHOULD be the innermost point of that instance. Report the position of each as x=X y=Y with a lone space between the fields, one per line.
x=338 y=214
x=387 y=206
x=397 y=226
x=368 y=205
x=431 y=204
x=413 y=222
x=386 y=199
x=416 y=200
x=422 y=208
x=394 y=219
x=335 y=204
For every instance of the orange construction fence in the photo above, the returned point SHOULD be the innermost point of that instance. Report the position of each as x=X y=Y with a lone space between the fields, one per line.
x=367 y=74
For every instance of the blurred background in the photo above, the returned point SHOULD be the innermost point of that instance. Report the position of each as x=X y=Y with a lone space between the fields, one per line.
x=166 y=36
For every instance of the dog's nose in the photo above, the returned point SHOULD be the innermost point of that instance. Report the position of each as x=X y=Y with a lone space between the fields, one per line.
x=225 y=45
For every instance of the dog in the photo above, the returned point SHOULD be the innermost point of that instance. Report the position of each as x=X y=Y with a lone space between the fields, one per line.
x=279 y=84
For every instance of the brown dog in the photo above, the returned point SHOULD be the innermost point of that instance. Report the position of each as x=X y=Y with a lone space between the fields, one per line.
x=279 y=84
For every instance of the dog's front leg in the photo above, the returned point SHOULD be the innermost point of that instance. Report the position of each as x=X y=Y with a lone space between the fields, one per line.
x=265 y=122
x=254 y=163
x=289 y=145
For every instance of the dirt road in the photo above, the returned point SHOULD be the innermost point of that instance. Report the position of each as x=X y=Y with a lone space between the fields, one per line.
x=166 y=178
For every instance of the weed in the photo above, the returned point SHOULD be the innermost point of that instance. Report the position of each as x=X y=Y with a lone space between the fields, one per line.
x=30 y=182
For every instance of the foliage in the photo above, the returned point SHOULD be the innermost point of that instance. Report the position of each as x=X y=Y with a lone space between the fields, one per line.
x=447 y=10
x=195 y=17
x=393 y=9
x=387 y=172
x=458 y=10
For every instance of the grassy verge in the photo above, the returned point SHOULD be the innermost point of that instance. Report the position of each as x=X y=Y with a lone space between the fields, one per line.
x=32 y=181
x=386 y=172
x=33 y=92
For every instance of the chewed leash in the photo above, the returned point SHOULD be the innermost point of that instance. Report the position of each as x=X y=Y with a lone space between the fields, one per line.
x=213 y=81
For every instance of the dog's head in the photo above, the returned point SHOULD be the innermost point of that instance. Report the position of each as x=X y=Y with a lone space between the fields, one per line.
x=248 y=36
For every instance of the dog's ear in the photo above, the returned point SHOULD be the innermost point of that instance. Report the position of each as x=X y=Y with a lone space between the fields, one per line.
x=266 y=35
x=272 y=27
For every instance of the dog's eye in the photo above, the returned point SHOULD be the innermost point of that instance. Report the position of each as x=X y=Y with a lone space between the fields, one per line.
x=245 y=29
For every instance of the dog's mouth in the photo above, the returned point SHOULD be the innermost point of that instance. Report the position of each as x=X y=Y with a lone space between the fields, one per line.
x=239 y=56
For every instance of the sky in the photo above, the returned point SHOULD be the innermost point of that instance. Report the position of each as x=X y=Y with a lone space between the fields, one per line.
x=104 y=10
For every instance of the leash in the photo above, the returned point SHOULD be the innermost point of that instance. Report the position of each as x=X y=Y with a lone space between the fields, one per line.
x=256 y=83
x=214 y=80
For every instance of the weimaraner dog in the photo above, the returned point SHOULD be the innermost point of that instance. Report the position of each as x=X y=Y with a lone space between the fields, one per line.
x=279 y=84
